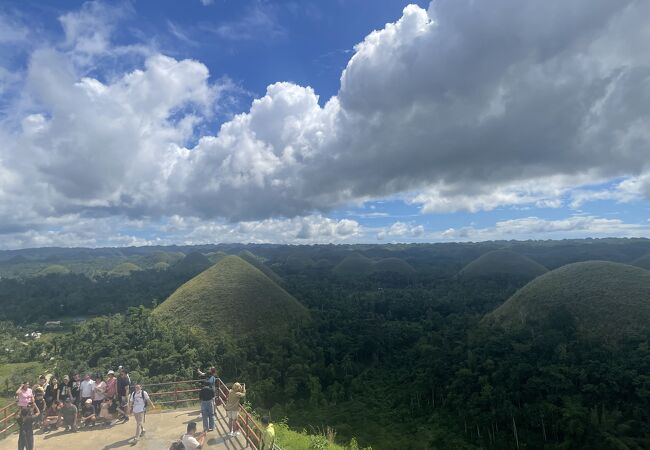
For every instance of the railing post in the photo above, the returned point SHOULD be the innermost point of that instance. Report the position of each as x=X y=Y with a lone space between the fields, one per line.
x=175 y=395
x=247 y=434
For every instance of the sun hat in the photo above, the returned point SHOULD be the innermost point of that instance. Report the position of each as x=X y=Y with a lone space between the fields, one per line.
x=110 y=372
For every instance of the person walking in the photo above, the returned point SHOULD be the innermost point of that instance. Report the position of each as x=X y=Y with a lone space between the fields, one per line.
x=26 y=421
x=206 y=395
x=235 y=395
x=268 y=434
x=138 y=401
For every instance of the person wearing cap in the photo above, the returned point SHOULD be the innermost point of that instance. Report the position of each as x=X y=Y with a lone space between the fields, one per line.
x=68 y=415
x=64 y=389
x=88 y=416
x=111 y=391
x=268 y=434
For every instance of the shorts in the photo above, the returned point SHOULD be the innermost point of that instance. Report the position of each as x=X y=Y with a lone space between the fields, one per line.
x=232 y=414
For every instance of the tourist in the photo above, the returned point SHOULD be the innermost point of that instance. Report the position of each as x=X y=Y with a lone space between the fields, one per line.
x=235 y=395
x=138 y=405
x=123 y=385
x=51 y=419
x=26 y=421
x=87 y=389
x=206 y=395
x=51 y=392
x=24 y=395
x=105 y=414
x=39 y=402
x=88 y=416
x=68 y=415
x=75 y=386
x=100 y=393
x=111 y=391
x=65 y=389
x=268 y=434
x=191 y=440
x=211 y=376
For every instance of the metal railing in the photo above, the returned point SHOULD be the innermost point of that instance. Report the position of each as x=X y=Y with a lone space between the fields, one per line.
x=7 y=414
x=172 y=393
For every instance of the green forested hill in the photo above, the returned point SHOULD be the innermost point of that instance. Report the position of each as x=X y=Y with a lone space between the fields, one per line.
x=503 y=262
x=235 y=299
x=606 y=300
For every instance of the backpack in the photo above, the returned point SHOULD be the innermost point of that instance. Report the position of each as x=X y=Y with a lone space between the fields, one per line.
x=142 y=392
x=177 y=445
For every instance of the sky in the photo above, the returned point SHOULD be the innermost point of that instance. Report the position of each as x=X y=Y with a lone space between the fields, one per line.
x=375 y=121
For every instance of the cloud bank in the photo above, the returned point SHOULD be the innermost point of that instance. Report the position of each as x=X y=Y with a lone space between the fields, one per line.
x=464 y=106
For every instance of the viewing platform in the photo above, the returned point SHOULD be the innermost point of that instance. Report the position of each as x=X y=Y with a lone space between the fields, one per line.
x=162 y=428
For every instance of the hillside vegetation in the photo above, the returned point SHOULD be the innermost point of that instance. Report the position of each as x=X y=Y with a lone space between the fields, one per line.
x=193 y=264
x=643 y=262
x=54 y=269
x=124 y=269
x=354 y=264
x=259 y=264
x=503 y=262
x=606 y=300
x=235 y=298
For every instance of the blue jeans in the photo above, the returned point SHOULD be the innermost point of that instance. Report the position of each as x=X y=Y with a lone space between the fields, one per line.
x=207 y=412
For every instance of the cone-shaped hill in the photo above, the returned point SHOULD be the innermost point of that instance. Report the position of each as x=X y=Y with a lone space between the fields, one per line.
x=54 y=269
x=259 y=265
x=154 y=258
x=503 y=262
x=124 y=270
x=393 y=265
x=215 y=257
x=643 y=262
x=234 y=298
x=354 y=264
x=192 y=265
x=607 y=300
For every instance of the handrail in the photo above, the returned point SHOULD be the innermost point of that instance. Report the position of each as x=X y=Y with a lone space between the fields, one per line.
x=7 y=413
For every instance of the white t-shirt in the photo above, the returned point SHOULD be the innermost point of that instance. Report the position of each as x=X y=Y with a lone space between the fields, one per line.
x=100 y=389
x=87 y=388
x=190 y=442
x=139 y=403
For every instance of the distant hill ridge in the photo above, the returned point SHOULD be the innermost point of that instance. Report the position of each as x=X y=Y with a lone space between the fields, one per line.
x=607 y=300
x=503 y=262
x=357 y=264
x=257 y=263
x=236 y=299
x=54 y=269
x=643 y=262
x=124 y=269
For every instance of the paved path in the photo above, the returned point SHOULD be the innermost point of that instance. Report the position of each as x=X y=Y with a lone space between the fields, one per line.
x=162 y=429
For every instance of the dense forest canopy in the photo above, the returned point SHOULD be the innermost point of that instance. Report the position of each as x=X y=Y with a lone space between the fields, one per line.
x=398 y=358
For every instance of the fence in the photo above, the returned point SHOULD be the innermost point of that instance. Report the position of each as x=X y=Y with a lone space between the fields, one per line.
x=174 y=394
x=7 y=421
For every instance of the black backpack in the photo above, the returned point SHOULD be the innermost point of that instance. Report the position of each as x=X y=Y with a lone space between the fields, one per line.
x=177 y=445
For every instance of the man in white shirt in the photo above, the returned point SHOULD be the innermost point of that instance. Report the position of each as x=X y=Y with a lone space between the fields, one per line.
x=190 y=440
x=138 y=401
x=86 y=389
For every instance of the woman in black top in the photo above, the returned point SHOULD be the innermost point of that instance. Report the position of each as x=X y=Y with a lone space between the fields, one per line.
x=51 y=392
x=64 y=389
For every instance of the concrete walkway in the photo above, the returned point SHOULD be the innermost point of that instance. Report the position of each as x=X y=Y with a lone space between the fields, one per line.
x=162 y=429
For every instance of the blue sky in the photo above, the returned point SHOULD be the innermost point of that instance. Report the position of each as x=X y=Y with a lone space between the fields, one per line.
x=142 y=122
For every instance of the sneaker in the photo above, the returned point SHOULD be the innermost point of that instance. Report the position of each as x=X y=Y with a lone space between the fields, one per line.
x=210 y=429
x=142 y=432
x=237 y=433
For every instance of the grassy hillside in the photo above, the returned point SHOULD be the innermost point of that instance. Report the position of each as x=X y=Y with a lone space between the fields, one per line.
x=259 y=264
x=124 y=269
x=154 y=258
x=606 y=300
x=643 y=262
x=234 y=297
x=215 y=257
x=191 y=265
x=503 y=262
x=54 y=269
x=354 y=264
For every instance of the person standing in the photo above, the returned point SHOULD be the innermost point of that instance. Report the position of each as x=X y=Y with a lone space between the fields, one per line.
x=100 y=393
x=39 y=402
x=138 y=401
x=75 y=389
x=268 y=434
x=87 y=389
x=65 y=389
x=51 y=392
x=235 y=395
x=123 y=387
x=24 y=395
x=189 y=439
x=26 y=421
x=206 y=395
